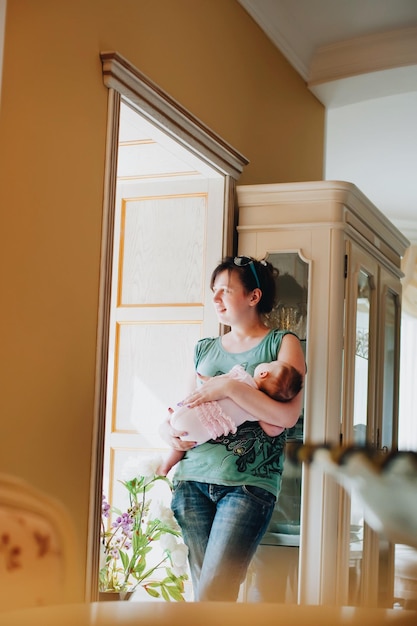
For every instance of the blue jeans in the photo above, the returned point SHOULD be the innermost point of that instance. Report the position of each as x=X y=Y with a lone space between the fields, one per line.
x=222 y=527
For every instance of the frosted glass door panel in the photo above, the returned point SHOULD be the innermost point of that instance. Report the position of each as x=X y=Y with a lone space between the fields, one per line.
x=149 y=377
x=161 y=264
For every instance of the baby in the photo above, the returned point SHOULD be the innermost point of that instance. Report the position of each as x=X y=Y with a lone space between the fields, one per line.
x=210 y=420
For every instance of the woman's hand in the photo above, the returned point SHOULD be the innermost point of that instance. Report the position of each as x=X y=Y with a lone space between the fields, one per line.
x=214 y=388
x=172 y=436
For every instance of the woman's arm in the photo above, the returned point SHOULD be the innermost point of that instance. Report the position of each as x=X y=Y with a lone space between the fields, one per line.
x=272 y=431
x=256 y=402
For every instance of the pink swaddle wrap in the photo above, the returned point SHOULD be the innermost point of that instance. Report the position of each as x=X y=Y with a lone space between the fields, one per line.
x=210 y=420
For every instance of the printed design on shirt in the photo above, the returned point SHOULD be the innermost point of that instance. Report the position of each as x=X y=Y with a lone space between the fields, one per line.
x=243 y=365
x=255 y=451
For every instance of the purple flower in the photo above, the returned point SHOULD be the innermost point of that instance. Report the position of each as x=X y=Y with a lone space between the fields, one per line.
x=127 y=538
x=105 y=507
x=125 y=522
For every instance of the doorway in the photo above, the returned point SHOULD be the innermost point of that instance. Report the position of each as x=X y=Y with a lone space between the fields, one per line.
x=168 y=220
x=167 y=235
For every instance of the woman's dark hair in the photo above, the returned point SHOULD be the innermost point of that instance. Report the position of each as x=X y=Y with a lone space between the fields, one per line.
x=252 y=274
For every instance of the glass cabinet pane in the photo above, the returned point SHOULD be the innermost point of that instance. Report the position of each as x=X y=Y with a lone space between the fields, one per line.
x=360 y=411
x=387 y=432
x=373 y=352
x=389 y=419
x=360 y=428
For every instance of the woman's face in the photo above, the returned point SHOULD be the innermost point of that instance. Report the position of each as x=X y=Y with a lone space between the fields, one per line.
x=231 y=301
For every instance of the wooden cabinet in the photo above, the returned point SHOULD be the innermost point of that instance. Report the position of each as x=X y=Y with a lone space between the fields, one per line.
x=346 y=257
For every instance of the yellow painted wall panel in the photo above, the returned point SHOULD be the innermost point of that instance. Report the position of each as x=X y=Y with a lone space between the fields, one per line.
x=211 y=57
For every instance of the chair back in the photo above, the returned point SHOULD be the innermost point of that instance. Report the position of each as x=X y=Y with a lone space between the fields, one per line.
x=39 y=556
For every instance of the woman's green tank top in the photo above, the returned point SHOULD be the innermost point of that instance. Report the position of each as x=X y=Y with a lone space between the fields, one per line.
x=250 y=456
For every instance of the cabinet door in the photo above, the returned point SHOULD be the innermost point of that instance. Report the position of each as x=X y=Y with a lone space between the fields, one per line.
x=274 y=572
x=307 y=574
x=389 y=310
x=361 y=549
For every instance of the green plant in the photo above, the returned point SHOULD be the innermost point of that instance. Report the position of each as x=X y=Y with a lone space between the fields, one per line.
x=142 y=546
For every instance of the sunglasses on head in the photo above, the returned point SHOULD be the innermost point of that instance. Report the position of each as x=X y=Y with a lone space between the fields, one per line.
x=242 y=261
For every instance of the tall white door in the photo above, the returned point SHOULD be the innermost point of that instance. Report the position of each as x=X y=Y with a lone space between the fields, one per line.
x=168 y=236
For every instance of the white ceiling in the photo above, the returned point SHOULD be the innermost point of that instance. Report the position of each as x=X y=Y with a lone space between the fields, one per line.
x=359 y=58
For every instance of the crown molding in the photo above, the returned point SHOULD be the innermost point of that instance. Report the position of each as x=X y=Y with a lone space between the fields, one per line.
x=363 y=55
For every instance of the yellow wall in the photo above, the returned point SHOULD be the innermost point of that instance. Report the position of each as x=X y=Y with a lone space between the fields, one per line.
x=208 y=55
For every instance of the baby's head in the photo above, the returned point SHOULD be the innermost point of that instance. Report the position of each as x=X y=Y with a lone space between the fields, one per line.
x=279 y=380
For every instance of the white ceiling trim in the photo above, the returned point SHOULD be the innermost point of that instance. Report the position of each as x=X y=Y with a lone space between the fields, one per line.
x=370 y=110
x=362 y=55
x=351 y=70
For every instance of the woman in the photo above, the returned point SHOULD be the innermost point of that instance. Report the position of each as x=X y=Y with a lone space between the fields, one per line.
x=225 y=490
